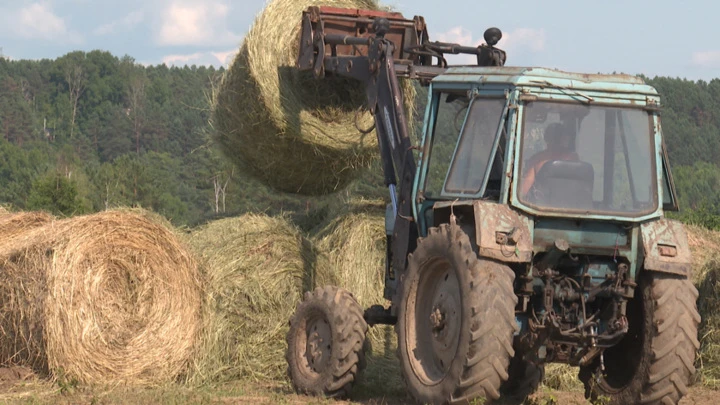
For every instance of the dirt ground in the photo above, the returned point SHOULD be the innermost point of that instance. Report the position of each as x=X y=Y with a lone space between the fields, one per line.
x=18 y=385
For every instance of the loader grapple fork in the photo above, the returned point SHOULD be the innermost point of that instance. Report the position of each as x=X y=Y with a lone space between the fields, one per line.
x=334 y=32
x=335 y=39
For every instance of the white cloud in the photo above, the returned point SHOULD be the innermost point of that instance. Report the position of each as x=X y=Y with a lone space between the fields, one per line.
x=225 y=57
x=127 y=22
x=525 y=39
x=706 y=59
x=195 y=23
x=457 y=35
x=37 y=21
x=221 y=58
x=461 y=36
x=182 y=59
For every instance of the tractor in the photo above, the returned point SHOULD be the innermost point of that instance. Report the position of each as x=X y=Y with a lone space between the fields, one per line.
x=526 y=227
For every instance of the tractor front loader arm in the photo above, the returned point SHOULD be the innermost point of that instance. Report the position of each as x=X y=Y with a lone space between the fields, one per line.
x=377 y=48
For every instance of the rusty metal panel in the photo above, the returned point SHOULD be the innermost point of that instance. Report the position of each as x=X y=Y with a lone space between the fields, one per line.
x=354 y=23
x=501 y=233
x=580 y=234
x=665 y=247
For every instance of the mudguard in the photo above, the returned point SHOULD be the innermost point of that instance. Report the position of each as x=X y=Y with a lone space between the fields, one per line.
x=501 y=233
x=666 y=248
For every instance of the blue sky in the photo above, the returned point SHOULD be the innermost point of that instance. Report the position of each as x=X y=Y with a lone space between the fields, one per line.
x=657 y=37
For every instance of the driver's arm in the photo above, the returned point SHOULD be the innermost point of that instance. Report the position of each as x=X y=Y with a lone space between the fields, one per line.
x=527 y=179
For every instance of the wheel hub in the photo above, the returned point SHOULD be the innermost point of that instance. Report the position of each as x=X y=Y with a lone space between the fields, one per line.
x=438 y=317
x=437 y=320
x=319 y=345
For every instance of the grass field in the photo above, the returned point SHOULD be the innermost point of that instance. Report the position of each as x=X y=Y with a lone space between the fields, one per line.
x=251 y=393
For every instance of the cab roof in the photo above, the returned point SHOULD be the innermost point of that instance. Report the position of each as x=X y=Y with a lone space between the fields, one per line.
x=545 y=77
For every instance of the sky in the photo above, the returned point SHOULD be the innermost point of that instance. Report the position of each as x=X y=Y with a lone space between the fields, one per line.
x=655 y=38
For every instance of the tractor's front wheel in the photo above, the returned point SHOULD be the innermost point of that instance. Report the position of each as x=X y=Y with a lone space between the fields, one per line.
x=325 y=343
x=456 y=320
x=653 y=364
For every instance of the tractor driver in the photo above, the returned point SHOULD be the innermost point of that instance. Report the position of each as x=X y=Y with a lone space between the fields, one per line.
x=559 y=142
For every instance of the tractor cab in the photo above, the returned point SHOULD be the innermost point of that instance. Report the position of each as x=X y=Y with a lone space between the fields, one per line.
x=548 y=143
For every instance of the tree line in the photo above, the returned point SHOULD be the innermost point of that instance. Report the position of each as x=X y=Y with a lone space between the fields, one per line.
x=90 y=131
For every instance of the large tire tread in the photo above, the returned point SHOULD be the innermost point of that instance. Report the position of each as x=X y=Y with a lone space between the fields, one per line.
x=491 y=346
x=491 y=319
x=675 y=343
x=666 y=367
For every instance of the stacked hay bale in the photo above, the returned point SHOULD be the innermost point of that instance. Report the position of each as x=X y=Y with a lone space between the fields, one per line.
x=14 y=224
x=292 y=131
x=705 y=246
x=351 y=254
x=256 y=269
x=105 y=298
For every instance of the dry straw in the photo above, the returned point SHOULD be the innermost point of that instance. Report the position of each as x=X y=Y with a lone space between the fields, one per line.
x=294 y=132
x=106 y=298
x=562 y=377
x=256 y=268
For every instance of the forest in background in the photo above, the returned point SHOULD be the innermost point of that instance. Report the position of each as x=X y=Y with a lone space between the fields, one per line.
x=90 y=131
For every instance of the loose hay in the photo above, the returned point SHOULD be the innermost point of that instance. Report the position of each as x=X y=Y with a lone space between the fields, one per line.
x=105 y=298
x=562 y=377
x=292 y=131
x=352 y=255
x=255 y=273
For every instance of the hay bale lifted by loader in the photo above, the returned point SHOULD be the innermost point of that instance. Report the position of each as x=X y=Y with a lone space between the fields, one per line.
x=296 y=134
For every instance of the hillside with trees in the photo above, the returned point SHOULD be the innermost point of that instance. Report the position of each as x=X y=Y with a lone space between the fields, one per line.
x=90 y=131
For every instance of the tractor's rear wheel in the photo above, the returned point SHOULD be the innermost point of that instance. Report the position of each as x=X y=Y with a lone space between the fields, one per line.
x=653 y=364
x=456 y=320
x=325 y=343
x=525 y=378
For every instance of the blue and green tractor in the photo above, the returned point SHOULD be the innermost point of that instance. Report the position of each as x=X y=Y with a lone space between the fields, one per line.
x=527 y=226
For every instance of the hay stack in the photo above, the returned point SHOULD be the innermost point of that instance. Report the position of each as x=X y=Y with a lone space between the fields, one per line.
x=705 y=246
x=709 y=307
x=13 y=225
x=352 y=252
x=255 y=273
x=352 y=255
x=292 y=131
x=105 y=298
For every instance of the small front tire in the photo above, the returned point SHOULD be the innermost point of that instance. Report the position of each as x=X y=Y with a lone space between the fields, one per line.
x=325 y=343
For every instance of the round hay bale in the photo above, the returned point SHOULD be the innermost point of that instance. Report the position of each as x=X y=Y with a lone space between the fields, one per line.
x=255 y=272
x=104 y=298
x=708 y=285
x=14 y=224
x=704 y=246
x=294 y=132
x=351 y=254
